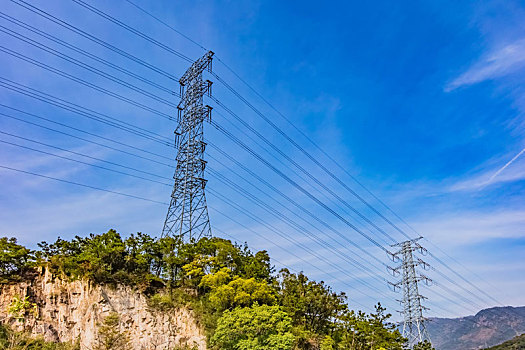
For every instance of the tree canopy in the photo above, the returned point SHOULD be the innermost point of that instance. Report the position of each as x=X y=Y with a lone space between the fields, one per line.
x=242 y=302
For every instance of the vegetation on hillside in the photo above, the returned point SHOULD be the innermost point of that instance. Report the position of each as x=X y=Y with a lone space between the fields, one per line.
x=239 y=298
x=517 y=343
x=11 y=340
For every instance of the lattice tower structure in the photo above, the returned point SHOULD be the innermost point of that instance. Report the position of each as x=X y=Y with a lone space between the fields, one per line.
x=187 y=216
x=414 y=328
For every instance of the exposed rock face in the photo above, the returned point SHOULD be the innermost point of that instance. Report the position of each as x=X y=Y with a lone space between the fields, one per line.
x=68 y=311
x=487 y=328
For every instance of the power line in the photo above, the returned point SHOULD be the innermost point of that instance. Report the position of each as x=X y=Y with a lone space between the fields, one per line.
x=81 y=162
x=281 y=234
x=271 y=123
x=294 y=225
x=82 y=185
x=299 y=187
x=87 y=133
x=90 y=37
x=83 y=52
x=84 y=82
x=81 y=154
x=180 y=33
x=285 y=250
x=83 y=111
x=303 y=170
x=167 y=25
x=75 y=153
x=77 y=1
x=86 y=66
x=132 y=30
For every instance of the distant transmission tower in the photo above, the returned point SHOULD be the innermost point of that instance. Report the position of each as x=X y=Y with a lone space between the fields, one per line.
x=414 y=328
x=188 y=213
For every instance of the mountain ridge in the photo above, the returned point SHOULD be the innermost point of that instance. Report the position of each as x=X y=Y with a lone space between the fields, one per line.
x=488 y=327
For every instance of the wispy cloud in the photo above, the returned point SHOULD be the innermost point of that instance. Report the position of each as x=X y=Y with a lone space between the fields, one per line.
x=469 y=227
x=492 y=176
x=497 y=63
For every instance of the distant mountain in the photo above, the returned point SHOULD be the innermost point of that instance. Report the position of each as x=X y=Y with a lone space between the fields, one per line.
x=517 y=343
x=487 y=328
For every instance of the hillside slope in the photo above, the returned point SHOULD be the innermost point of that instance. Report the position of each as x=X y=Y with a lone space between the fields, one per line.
x=487 y=328
x=517 y=343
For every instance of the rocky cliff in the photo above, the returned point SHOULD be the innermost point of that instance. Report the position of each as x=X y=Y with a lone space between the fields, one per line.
x=73 y=311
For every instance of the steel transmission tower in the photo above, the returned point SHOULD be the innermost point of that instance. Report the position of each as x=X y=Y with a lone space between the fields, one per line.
x=187 y=216
x=414 y=328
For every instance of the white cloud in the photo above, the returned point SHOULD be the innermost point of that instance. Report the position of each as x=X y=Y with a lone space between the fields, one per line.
x=466 y=228
x=497 y=63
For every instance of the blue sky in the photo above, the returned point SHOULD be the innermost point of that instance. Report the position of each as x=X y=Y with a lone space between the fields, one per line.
x=422 y=102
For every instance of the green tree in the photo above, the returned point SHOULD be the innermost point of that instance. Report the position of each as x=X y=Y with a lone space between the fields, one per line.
x=109 y=335
x=359 y=331
x=312 y=305
x=255 y=328
x=14 y=259
x=425 y=345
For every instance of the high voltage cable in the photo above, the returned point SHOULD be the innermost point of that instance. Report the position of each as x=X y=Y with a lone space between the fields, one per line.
x=88 y=156
x=83 y=111
x=143 y=198
x=98 y=159
x=142 y=178
x=325 y=153
x=280 y=173
x=83 y=52
x=131 y=29
x=299 y=187
x=86 y=35
x=82 y=185
x=84 y=82
x=87 y=66
x=92 y=187
x=265 y=238
x=101 y=160
x=167 y=25
x=119 y=172
x=127 y=100
x=289 y=221
x=107 y=169
x=293 y=170
x=82 y=162
x=87 y=133
x=297 y=205
x=112 y=163
x=287 y=251
x=442 y=286
x=281 y=234
x=303 y=170
x=271 y=123
x=79 y=112
x=82 y=154
x=332 y=175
